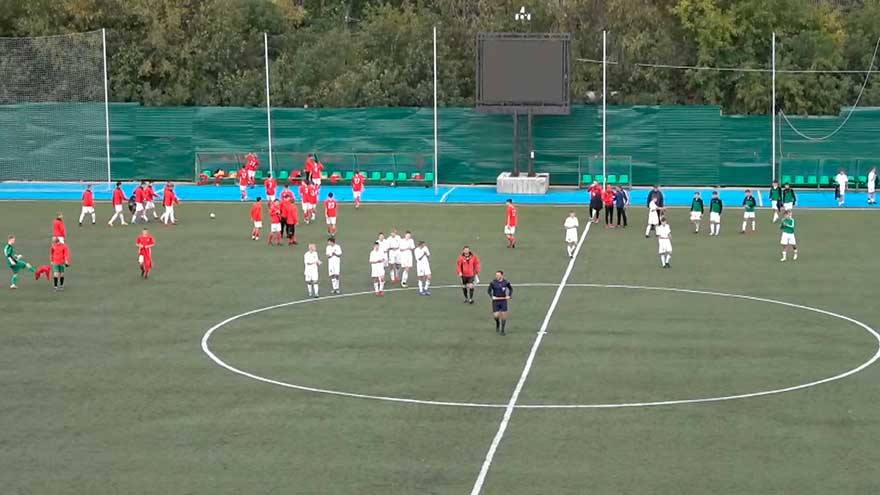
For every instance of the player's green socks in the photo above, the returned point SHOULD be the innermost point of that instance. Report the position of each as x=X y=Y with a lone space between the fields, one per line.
x=14 y=280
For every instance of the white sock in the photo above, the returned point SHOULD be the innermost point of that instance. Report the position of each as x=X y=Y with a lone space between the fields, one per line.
x=784 y=254
x=775 y=215
x=81 y=216
x=668 y=258
x=427 y=283
x=309 y=288
x=696 y=227
x=375 y=286
x=648 y=230
x=662 y=259
x=404 y=277
x=93 y=218
x=795 y=254
x=381 y=285
x=316 y=286
x=421 y=285
x=754 y=225
x=744 y=226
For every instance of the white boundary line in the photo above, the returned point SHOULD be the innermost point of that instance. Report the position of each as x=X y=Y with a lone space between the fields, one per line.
x=447 y=193
x=207 y=336
x=514 y=397
x=760 y=199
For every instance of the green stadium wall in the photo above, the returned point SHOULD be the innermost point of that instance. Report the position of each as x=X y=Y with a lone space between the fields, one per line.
x=670 y=145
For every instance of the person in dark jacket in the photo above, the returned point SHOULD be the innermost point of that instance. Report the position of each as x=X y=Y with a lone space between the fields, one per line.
x=657 y=195
x=621 y=201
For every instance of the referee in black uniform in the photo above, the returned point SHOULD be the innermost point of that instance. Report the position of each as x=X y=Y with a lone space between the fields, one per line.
x=500 y=291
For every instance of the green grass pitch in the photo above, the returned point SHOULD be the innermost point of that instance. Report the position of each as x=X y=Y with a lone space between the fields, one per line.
x=105 y=388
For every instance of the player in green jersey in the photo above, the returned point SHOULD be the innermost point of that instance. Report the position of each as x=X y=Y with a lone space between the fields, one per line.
x=788 y=241
x=789 y=198
x=715 y=207
x=776 y=200
x=696 y=211
x=14 y=261
x=749 y=204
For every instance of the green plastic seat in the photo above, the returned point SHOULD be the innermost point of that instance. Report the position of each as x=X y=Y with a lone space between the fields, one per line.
x=429 y=177
x=799 y=180
x=283 y=175
x=786 y=179
x=402 y=177
x=324 y=175
x=208 y=173
x=612 y=179
x=863 y=179
x=623 y=179
x=377 y=176
x=825 y=180
x=258 y=175
x=600 y=178
x=812 y=180
x=349 y=175
x=389 y=176
x=586 y=179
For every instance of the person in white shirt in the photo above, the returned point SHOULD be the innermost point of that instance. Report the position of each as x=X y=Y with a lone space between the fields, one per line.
x=664 y=242
x=377 y=268
x=383 y=247
x=653 y=217
x=872 y=184
x=407 y=245
x=311 y=262
x=571 y=233
x=423 y=268
x=841 y=179
x=394 y=255
x=333 y=252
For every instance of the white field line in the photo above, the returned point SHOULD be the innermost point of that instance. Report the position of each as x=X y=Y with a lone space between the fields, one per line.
x=514 y=397
x=447 y=193
x=760 y=199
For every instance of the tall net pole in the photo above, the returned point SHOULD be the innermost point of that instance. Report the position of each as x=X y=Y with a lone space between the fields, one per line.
x=436 y=143
x=773 y=105
x=106 y=106
x=268 y=101
x=604 y=105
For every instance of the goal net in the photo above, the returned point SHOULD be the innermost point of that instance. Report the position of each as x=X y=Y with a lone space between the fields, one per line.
x=53 y=124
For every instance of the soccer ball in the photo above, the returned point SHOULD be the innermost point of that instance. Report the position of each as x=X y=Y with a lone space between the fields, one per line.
x=213 y=216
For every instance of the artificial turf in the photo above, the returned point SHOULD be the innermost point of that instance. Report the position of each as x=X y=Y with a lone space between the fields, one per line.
x=107 y=390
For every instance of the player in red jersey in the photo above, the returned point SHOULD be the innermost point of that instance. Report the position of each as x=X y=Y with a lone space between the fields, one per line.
x=140 y=197
x=304 y=197
x=169 y=201
x=291 y=219
x=317 y=171
x=357 y=187
x=510 y=224
x=595 y=192
x=59 y=257
x=257 y=218
x=313 y=190
x=309 y=167
x=88 y=205
x=287 y=194
x=271 y=185
x=330 y=213
x=275 y=222
x=145 y=243
x=243 y=182
x=252 y=165
x=59 y=231
x=118 y=199
x=150 y=200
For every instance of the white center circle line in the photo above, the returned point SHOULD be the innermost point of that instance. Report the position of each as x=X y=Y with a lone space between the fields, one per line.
x=216 y=359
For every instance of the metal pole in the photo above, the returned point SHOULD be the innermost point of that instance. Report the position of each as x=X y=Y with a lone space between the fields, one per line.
x=106 y=107
x=436 y=143
x=773 y=107
x=515 y=144
x=604 y=104
x=531 y=147
x=268 y=103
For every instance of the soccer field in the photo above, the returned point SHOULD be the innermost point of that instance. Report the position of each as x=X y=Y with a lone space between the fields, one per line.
x=107 y=387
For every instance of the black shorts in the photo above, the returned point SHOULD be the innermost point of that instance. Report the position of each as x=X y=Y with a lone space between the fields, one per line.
x=499 y=306
x=467 y=280
x=596 y=205
x=291 y=229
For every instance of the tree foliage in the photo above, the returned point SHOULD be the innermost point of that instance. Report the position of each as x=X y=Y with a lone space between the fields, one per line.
x=344 y=53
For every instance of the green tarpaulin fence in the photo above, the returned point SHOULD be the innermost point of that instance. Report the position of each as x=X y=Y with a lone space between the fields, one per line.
x=670 y=145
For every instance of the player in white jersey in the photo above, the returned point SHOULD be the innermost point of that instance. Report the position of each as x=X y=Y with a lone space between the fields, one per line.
x=334 y=264
x=407 y=245
x=377 y=269
x=571 y=233
x=394 y=255
x=311 y=262
x=664 y=242
x=841 y=179
x=383 y=246
x=872 y=185
x=423 y=268
x=653 y=217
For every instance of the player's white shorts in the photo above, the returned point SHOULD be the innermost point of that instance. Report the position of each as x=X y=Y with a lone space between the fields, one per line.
x=150 y=205
x=393 y=256
x=715 y=217
x=377 y=270
x=653 y=218
x=311 y=273
x=316 y=179
x=88 y=210
x=242 y=188
x=138 y=207
x=571 y=235
x=251 y=174
x=871 y=187
x=307 y=206
x=423 y=269
x=356 y=194
x=275 y=227
x=169 y=210
x=333 y=267
x=788 y=239
x=406 y=259
x=117 y=208
x=696 y=216
x=509 y=229
x=140 y=259
x=270 y=197
x=60 y=239
x=748 y=215
x=331 y=220
x=787 y=206
x=259 y=225
x=664 y=246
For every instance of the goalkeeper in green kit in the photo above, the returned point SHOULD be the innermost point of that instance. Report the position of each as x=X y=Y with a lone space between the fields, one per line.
x=14 y=261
